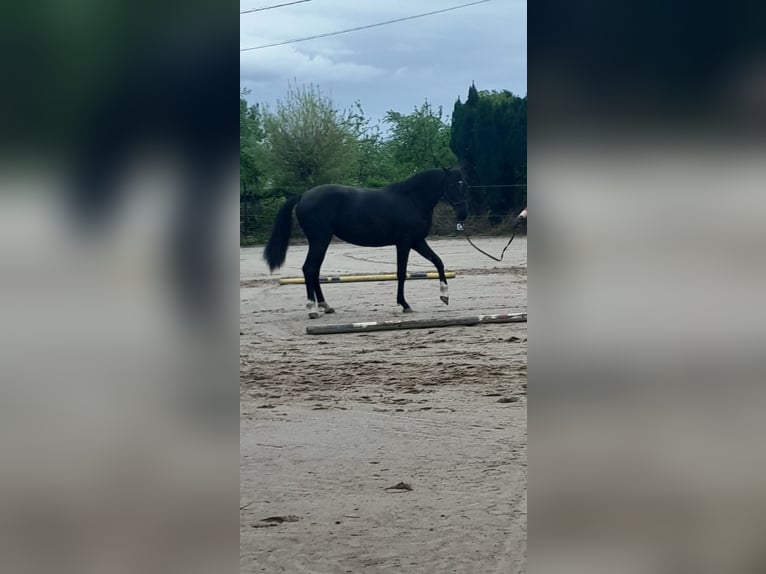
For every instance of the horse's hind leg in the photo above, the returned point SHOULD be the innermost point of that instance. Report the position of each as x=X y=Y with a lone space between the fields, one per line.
x=310 y=288
x=320 y=299
x=321 y=252
x=311 y=267
x=425 y=250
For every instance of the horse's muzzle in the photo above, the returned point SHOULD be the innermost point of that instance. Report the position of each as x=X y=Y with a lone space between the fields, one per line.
x=461 y=212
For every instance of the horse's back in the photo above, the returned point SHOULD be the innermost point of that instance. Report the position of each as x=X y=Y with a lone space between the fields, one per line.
x=368 y=217
x=323 y=202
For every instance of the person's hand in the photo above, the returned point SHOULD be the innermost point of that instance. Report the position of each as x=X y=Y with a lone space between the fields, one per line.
x=520 y=218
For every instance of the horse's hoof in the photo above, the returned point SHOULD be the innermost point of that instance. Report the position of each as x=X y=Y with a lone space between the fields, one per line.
x=407 y=310
x=329 y=310
x=313 y=315
x=444 y=299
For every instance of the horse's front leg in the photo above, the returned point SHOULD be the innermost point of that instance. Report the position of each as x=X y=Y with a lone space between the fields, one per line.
x=402 y=255
x=425 y=250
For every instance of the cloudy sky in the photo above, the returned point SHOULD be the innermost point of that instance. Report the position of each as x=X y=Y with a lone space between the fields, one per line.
x=393 y=67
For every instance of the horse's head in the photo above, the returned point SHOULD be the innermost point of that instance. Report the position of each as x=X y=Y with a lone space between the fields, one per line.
x=454 y=192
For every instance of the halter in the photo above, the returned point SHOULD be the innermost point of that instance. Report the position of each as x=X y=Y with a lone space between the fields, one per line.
x=457 y=204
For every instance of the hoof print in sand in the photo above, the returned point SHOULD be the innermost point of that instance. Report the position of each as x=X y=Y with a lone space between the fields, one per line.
x=275 y=521
x=400 y=487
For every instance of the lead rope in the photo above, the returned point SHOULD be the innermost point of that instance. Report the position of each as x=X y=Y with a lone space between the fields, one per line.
x=521 y=217
x=477 y=248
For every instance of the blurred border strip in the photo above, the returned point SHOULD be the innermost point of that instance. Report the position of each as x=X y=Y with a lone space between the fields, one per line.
x=646 y=171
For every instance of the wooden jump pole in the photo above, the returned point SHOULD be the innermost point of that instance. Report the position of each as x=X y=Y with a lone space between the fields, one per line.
x=358 y=278
x=414 y=324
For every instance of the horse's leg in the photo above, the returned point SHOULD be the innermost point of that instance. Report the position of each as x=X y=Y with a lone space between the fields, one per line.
x=321 y=251
x=318 y=245
x=425 y=250
x=308 y=280
x=310 y=268
x=402 y=254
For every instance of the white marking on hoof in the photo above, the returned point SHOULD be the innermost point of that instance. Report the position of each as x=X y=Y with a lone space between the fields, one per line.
x=313 y=312
x=326 y=308
x=444 y=292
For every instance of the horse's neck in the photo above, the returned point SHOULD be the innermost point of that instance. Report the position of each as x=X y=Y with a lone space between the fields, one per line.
x=426 y=195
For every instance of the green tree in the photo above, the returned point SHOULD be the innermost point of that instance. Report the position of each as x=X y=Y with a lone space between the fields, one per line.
x=489 y=136
x=419 y=140
x=307 y=141
x=250 y=142
x=373 y=162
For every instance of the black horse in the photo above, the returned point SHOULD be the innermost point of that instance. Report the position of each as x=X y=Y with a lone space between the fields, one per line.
x=399 y=214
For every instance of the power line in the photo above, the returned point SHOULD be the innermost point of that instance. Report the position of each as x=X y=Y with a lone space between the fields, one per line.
x=275 y=6
x=361 y=27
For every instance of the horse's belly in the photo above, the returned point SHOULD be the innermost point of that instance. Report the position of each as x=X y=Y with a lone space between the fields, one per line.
x=365 y=239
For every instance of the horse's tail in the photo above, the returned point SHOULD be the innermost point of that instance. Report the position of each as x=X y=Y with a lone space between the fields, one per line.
x=276 y=248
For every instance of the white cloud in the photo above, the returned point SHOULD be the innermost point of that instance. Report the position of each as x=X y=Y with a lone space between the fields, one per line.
x=397 y=66
x=284 y=63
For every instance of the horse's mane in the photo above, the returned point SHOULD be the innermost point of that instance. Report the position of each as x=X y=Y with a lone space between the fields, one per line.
x=416 y=182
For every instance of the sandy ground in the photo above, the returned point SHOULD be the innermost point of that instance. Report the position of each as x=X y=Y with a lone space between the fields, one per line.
x=330 y=423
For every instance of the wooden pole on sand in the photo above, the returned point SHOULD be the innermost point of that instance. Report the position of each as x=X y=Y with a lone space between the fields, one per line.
x=357 y=278
x=415 y=324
